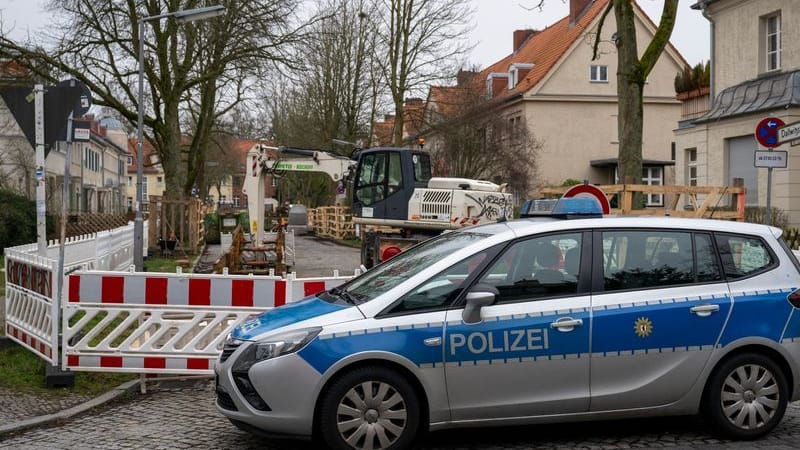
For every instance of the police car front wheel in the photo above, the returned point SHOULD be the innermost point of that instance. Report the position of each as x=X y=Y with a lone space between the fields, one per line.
x=747 y=396
x=369 y=408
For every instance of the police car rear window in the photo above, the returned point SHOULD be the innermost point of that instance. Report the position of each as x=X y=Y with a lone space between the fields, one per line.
x=743 y=256
x=790 y=254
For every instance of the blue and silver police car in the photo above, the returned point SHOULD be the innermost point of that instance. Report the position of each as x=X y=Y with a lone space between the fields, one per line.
x=531 y=321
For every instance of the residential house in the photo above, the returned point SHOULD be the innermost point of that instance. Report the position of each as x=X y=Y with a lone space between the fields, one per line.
x=154 y=182
x=569 y=101
x=755 y=73
x=413 y=110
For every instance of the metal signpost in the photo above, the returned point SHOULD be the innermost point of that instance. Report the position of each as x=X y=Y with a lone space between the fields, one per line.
x=767 y=135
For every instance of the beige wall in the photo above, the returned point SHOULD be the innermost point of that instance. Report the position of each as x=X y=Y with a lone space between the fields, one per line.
x=573 y=133
x=576 y=120
x=739 y=46
x=711 y=141
x=572 y=74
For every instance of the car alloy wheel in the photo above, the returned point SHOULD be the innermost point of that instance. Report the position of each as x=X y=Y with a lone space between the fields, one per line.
x=370 y=408
x=750 y=396
x=371 y=415
x=747 y=396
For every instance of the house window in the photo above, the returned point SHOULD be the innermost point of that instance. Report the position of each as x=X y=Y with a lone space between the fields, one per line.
x=130 y=160
x=653 y=176
x=144 y=187
x=130 y=181
x=691 y=167
x=236 y=201
x=130 y=202
x=772 y=44
x=274 y=182
x=159 y=180
x=598 y=74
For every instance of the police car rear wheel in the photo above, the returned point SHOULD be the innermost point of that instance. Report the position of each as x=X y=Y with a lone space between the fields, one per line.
x=369 y=408
x=747 y=397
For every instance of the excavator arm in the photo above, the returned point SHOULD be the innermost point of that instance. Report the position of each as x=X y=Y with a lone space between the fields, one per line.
x=263 y=160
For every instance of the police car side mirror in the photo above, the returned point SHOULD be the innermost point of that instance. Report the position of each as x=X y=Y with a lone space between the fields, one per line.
x=481 y=295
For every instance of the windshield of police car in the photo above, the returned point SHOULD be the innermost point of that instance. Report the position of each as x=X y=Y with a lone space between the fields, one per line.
x=407 y=264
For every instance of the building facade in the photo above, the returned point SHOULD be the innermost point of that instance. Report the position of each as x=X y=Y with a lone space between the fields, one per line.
x=755 y=73
x=568 y=101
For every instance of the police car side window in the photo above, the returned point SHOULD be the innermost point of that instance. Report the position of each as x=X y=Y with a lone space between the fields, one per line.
x=537 y=268
x=646 y=258
x=743 y=256
x=707 y=265
x=439 y=291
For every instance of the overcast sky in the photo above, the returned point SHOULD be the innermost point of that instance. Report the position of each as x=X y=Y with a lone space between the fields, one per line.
x=495 y=21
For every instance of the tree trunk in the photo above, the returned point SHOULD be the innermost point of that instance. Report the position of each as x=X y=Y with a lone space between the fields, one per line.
x=630 y=88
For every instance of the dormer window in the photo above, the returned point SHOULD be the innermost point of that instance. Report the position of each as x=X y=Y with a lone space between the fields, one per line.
x=495 y=83
x=516 y=72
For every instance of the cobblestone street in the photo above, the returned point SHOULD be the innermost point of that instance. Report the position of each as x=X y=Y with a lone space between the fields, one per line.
x=185 y=417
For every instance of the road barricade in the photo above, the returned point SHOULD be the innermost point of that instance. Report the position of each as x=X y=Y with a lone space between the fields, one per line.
x=162 y=323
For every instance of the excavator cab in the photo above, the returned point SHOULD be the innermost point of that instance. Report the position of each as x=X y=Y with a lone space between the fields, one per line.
x=386 y=179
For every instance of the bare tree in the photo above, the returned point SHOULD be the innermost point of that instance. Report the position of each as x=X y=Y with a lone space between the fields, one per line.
x=422 y=41
x=97 y=43
x=329 y=96
x=474 y=140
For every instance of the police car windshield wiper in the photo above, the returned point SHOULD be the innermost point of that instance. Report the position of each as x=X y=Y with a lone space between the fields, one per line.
x=344 y=295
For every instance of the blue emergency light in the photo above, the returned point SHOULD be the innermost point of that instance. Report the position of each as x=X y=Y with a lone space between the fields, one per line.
x=563 y=208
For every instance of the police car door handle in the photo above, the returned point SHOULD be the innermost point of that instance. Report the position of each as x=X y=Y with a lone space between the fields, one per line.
x=432 y=342
x=704 y=310
x=566 y=324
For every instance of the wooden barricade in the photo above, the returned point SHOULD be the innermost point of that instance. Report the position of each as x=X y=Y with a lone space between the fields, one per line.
x=703 y=201
x=181 y=218
x=332 y=221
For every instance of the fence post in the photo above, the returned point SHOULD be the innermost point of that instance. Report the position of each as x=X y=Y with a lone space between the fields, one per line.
x=740 y=198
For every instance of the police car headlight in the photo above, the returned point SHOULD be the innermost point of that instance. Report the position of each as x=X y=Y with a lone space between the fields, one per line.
x=274 y=346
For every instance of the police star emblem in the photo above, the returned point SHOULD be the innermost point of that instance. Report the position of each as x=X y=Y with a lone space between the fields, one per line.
x=643 y=327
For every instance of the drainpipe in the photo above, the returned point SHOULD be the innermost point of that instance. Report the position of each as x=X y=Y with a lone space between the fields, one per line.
x=712 y=31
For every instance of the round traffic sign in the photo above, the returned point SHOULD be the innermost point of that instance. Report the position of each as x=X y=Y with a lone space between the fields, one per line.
x=767 y=131
x=590 y=191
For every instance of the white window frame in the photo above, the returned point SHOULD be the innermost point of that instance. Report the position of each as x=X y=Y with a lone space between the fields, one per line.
x=236 y=201
x=691 y=163
x=130 y=160
x=769 y=51
x=144 y=188
x=649 y=178
x=596 y=73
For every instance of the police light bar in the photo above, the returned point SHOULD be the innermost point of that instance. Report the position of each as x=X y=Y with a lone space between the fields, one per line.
x=564 y=208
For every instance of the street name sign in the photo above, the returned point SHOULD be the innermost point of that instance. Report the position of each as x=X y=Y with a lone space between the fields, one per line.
x=776 y=159
x=789 y=132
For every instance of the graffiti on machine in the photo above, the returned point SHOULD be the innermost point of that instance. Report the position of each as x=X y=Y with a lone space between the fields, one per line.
x=491 y=206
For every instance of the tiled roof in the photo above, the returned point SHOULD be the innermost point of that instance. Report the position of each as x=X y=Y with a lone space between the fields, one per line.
x=761 y=95
x=544 y=49
x=149 y=152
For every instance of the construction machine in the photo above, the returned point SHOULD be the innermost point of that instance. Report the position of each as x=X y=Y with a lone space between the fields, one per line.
x=396 y=202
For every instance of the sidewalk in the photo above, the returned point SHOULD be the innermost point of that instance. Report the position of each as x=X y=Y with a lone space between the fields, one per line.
x=23 y=410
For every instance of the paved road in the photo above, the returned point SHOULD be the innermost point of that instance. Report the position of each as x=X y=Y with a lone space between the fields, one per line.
x=172 y=418
x=316 y=257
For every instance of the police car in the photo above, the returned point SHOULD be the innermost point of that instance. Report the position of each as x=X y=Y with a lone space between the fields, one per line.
x=531 y=321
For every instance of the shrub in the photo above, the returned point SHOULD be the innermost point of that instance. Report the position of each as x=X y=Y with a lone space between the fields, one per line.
x=17 y=220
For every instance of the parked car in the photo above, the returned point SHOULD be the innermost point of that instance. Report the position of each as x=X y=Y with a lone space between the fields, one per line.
x=534 y=320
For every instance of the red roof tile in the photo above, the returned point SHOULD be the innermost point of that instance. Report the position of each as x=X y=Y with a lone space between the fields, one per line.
x=544 y=49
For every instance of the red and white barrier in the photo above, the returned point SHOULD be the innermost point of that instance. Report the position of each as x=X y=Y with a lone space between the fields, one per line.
x=166 y=323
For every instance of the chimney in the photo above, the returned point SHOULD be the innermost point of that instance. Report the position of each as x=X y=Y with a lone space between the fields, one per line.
x=464 y=77
x=576 y=9
x=413 y=101
x=520 y=36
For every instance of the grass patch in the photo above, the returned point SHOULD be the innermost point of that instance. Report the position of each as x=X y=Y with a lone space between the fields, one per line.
x=21 y=370
x=164 y=265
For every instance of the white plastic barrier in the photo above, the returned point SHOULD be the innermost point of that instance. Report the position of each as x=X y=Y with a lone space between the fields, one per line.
x=32 y=312
x=165 y=323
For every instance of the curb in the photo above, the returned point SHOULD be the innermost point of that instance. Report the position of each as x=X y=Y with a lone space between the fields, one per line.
x=122 y=389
